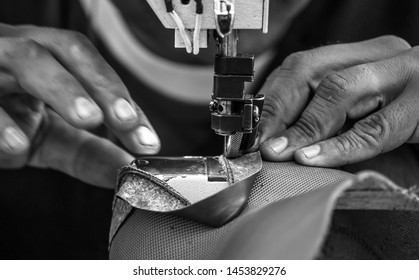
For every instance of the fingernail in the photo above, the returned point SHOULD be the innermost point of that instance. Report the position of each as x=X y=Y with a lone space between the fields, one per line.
x=86 y=109
x=311 y=151
x=279 y=144
x=147 y=137
x=124 y=110
x=14 y=140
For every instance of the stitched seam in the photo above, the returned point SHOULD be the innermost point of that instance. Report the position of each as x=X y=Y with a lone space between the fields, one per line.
x=229 y=171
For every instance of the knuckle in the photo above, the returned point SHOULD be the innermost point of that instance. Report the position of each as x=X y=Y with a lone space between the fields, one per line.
x=395 y=41
x=76 y=42
x=300 y=60
x=293 y=59
x=61 y=80
x=347 y=143
x=272 y=107
x=372 y=130
x=367 y=134
x=308 y=127
x=26 y=48
x=334 y=88
x=283 y=99
x=279 y=93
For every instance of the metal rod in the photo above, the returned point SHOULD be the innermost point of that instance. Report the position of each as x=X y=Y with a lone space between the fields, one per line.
x=228 y=44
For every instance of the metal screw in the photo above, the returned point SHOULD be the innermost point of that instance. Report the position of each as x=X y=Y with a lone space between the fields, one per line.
x=213 y=106
x=256 y=113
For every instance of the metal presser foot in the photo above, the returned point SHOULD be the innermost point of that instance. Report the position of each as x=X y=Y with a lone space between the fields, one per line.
x=234 y=114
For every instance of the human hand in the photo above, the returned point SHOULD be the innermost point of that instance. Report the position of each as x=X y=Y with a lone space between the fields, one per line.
x=53 y=86
x=342 y=104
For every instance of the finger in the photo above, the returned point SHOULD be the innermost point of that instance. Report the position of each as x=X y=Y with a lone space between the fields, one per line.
x=13 y=140
x=20 y=118
x=378 y=133
x=82 y=59
x=121 y=113
x=80 y=154
x=142 y=139
x=341 y=96
x=14 y=144
x=287 y=90
x=38 y=73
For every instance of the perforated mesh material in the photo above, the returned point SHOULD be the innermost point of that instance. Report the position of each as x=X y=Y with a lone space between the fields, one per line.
x=147 y=235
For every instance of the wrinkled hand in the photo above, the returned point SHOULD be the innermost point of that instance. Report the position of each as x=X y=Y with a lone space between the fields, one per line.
x=342 y=104
x=53 y=85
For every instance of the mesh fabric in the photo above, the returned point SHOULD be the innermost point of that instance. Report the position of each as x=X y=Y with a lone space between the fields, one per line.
x=147 y=235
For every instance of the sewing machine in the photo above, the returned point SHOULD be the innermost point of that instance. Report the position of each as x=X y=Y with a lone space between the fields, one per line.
x=234 y=114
